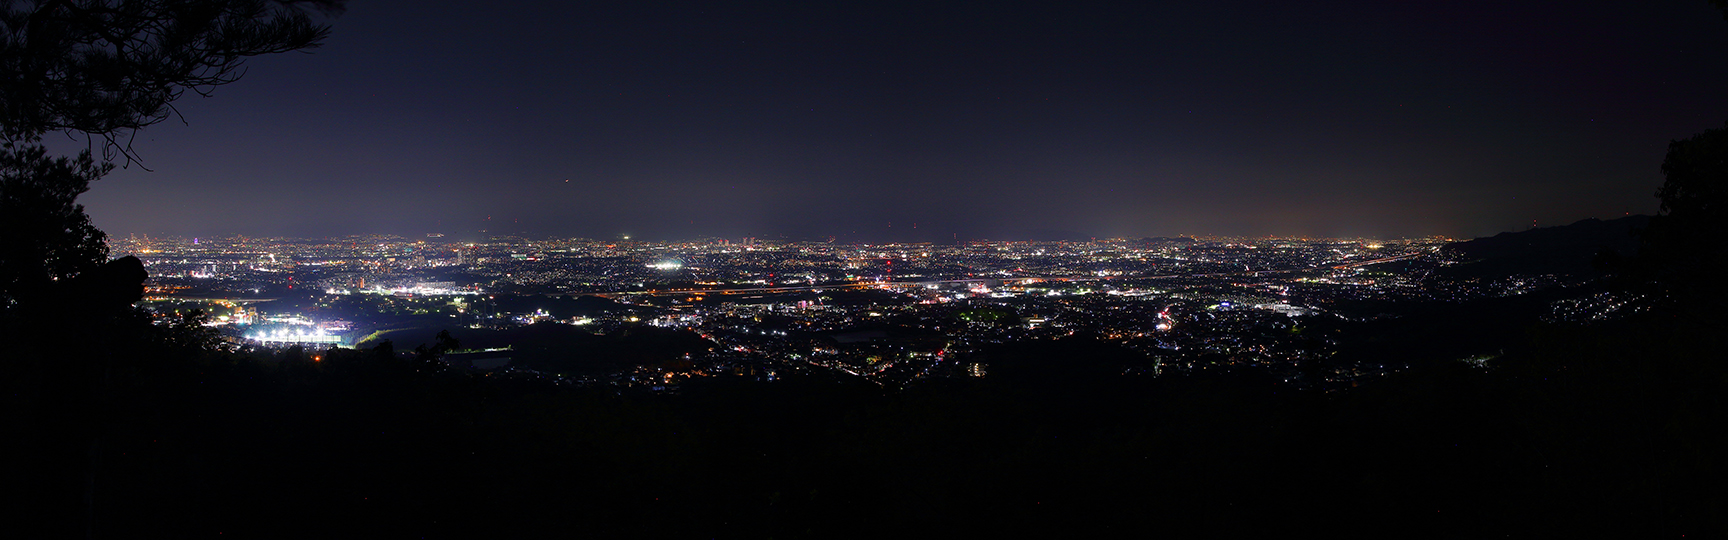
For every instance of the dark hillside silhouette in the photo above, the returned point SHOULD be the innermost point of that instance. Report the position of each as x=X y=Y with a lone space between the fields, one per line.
x=1583 y=434
x=1568 y=249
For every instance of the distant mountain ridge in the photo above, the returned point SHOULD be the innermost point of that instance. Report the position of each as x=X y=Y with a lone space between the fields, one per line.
x=1566 y=249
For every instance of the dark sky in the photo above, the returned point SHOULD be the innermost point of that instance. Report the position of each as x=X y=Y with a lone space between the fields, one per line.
x=993 y=120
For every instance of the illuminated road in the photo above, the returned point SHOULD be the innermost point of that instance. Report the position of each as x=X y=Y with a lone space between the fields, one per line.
x=170 y=298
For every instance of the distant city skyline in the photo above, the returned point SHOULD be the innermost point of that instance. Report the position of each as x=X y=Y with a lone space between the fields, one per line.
x=747 y=241
x=941 y=122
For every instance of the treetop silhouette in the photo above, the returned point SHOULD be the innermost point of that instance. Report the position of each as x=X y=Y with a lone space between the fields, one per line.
x=106 y=68
x=1679 y=249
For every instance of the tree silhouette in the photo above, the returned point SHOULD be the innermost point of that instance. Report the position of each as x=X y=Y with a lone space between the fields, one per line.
x=105 y=68
x=48 y=236
x=431 y=355
x=101 y=69
x=1678 y=257
x=108 y=67
x=1695 y=169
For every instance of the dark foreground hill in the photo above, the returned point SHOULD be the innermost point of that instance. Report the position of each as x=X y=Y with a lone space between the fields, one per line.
x=1601 y=432
x=1567 y=249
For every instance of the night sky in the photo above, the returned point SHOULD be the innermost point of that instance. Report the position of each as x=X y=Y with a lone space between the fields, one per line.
x=874 y=121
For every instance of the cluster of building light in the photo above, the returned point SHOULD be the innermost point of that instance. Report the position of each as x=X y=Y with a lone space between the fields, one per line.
x=295 y=336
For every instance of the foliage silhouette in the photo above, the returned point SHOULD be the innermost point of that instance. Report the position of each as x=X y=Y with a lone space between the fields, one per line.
x=1677 y=261
x=48 y=236
x=106 y=68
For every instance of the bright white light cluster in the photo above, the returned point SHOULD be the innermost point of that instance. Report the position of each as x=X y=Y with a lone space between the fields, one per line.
x=317 y=335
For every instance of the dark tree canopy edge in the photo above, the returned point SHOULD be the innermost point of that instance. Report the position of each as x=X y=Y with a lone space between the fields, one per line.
x=106 y=68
